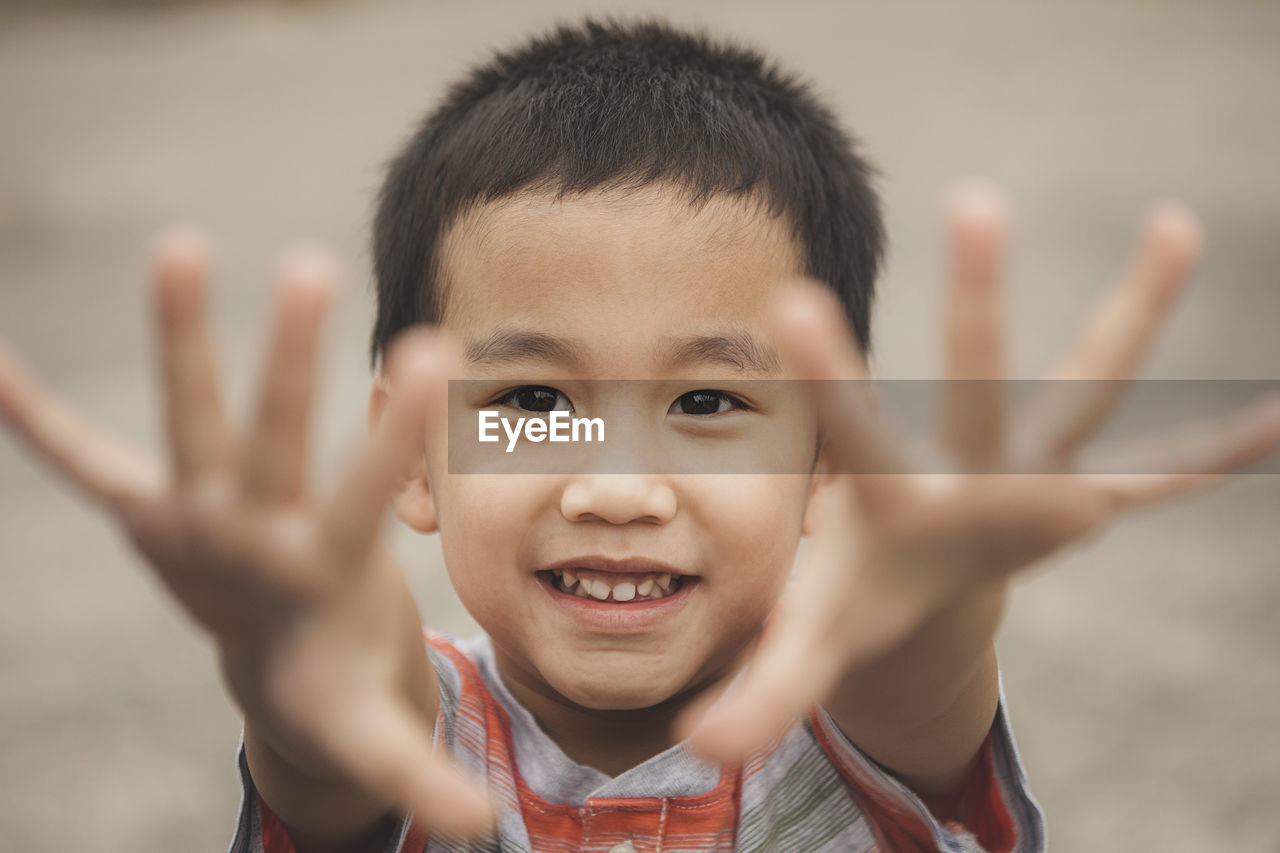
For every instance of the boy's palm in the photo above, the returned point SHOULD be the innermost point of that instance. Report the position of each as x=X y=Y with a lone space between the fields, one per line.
x=891 y=550
x=308 y=611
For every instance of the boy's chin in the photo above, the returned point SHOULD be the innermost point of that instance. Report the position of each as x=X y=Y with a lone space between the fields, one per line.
x=609 y=694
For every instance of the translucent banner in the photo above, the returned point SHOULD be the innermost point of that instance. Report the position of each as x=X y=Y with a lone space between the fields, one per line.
x=863 y=427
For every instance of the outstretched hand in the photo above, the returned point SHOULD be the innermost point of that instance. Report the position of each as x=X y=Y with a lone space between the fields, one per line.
x=318 y=635
x=892 y=550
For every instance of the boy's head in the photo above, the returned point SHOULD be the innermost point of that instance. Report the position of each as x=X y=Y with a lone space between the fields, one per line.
x=622 y=202
x=617 y=106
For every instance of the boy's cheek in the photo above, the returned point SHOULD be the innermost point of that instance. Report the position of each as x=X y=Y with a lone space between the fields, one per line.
x=490 y=501
x=770 y=505
x=765 y=519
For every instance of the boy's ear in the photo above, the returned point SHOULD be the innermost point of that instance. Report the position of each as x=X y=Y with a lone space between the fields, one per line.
x=413 y=502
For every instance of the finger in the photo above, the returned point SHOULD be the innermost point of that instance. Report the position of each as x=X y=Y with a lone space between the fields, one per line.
x=819 y=632
x=273 y=467
x=790 y=670
x=199 y=440
x=387 y=751
x=972 y=405
x=815 y=634
x=1193 y=458
x=815 y=343
x=418 y=367
x=1118 y=336
x=99 y=464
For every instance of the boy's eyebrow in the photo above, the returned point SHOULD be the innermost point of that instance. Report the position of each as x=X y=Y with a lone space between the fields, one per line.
x=502 y=346
x=738 y=349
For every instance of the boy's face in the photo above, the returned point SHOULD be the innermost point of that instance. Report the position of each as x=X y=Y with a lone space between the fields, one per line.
x=620 y=287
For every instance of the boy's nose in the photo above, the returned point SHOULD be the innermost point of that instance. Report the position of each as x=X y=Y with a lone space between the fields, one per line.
x=618 y=499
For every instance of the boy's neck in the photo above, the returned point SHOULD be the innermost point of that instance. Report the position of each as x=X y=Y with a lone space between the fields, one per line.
x=611 y=741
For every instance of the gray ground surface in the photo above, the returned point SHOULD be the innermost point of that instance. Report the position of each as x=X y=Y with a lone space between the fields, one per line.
x=1141 y=669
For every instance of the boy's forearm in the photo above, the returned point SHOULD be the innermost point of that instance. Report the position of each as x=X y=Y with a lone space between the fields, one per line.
x=924 y=709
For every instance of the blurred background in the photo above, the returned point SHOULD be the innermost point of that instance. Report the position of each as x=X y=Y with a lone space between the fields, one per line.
x=1142 y=669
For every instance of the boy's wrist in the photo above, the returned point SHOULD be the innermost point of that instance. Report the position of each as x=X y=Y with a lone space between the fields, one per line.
x=923 y=709
x=322 y=812
x=937 y=660
x=288 y=746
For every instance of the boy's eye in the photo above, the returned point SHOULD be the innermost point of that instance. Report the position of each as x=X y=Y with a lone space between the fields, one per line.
x=536 y=398
x=705 y=403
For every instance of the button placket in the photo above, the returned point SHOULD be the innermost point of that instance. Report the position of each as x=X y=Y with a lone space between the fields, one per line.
x=614 y=826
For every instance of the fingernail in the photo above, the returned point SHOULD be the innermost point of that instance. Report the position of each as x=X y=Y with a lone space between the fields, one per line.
x=1176 y=222
x=687 y=724
x=415 y=344
x=478 y=809
x=181 y=241
x=803 y=304
x=978 y=199
x=308 y=263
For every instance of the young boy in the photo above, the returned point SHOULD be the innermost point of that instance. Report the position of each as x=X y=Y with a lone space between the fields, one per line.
x=626 y=202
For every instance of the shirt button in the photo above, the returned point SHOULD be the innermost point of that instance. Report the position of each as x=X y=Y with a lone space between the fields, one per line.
x=624 y=847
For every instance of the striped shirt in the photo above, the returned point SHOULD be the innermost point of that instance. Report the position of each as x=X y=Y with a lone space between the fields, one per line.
x=810 y=790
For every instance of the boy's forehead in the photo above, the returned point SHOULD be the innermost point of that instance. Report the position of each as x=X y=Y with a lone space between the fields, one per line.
x=611 y=281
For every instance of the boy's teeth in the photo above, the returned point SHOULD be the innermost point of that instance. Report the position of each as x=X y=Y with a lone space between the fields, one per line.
x=651 y=588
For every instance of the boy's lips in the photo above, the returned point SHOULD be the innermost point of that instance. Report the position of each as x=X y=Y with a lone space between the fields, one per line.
x=617 y=595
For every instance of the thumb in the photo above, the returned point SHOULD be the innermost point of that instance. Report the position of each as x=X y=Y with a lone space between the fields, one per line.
x=419 y=365
x=790 y=671
x=413 y=401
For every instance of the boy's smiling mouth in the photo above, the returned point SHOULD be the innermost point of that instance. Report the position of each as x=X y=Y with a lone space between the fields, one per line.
x=600 y=590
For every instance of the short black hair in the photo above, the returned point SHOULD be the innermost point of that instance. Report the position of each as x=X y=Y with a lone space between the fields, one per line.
x=617 y=104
